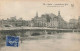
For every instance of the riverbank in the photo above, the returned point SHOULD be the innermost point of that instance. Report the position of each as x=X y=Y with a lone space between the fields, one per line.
x=59 y=42
x=40 y=37
x=2 y=43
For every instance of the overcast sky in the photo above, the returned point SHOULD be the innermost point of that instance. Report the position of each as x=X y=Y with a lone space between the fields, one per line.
x=27 y=9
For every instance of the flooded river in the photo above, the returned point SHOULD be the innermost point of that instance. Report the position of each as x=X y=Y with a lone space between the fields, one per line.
x=58 y=42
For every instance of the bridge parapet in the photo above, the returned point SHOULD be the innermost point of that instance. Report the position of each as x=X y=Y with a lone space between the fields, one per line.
x=35 y=28
x=31 y=28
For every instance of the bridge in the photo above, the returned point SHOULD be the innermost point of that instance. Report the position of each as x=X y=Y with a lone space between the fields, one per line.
x=33 y=30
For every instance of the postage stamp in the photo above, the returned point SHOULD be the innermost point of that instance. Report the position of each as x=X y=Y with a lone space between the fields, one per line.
x=12 y=41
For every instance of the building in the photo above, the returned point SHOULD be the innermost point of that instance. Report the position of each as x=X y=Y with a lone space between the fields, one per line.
x=57 y=21
x=39 y=21
x=73 y=23
x=53 y=21
x=49 y=20
x=78 y=25
x=45 y=20
x=13 y=22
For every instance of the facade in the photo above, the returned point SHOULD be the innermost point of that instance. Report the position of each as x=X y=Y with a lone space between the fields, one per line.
x=73 y=23
x=46 y=20
x=53 y=21
x=78 y=25
x=39 y=21
x=49 y=20
x=62 y=24
x=13 y=22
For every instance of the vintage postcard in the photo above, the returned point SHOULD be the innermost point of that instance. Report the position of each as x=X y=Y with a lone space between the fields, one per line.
x=39 y=25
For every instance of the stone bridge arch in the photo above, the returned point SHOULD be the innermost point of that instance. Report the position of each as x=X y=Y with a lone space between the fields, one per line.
x=34 y=32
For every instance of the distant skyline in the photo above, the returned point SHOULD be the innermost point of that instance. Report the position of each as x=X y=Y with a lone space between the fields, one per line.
x=27 y=10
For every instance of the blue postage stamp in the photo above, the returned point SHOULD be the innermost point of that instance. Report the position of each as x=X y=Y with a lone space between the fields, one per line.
x=12 y=41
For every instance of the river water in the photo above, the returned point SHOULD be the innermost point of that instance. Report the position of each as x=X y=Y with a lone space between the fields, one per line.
x=59 y=42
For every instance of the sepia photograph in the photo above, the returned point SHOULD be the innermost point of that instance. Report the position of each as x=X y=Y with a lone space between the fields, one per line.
x=39 y=25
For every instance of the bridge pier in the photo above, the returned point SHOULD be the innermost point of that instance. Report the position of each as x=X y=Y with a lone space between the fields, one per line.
x=73 y=30
x=34 y=33
x=55 y=32
x=51 y=33
x=46 y=33
x=18 y=33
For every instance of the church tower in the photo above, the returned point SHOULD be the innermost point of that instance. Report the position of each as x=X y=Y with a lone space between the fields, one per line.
x=36 y=14
x=59 y=13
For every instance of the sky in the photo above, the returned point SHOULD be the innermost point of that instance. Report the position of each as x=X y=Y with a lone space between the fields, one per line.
x=27 y=9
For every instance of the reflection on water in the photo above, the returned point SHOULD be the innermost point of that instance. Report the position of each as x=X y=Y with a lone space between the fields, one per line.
x=59 y=42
